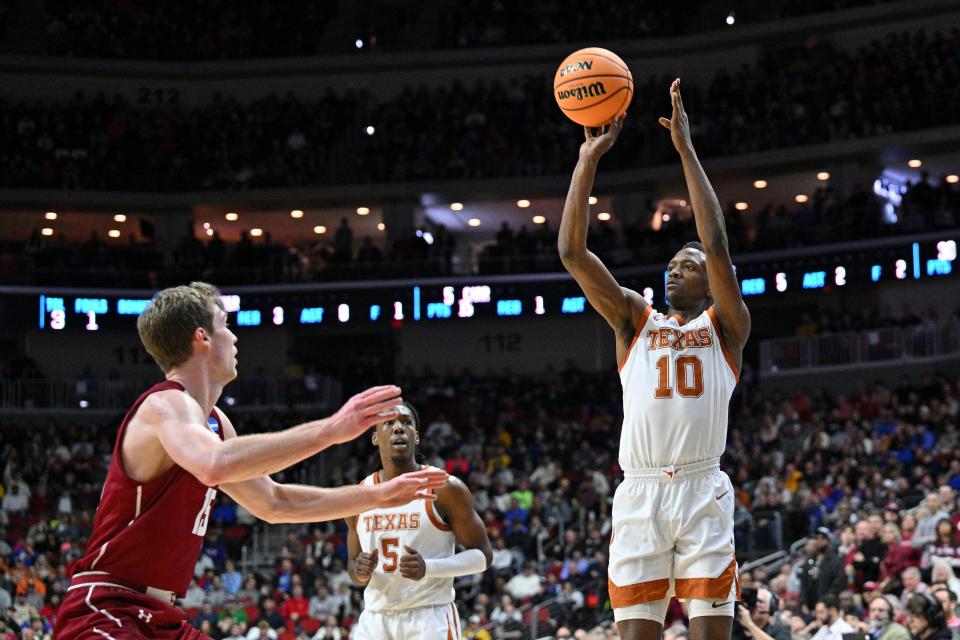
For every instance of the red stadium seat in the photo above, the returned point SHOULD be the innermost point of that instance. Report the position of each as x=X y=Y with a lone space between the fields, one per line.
x=310 y=625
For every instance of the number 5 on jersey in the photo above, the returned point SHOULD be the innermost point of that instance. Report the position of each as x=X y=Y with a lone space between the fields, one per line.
x=391 y=559
x=688 y=379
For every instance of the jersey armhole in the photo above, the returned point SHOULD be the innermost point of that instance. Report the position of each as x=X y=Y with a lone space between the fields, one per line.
x=430 y=506
x=434 y=515
x=644 y=317
x=723 y=344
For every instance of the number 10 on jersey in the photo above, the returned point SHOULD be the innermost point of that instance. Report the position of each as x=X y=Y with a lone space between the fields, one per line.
x=687 y=378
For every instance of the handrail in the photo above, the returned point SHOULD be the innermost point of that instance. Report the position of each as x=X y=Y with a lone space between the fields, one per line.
x=839 y=350
x=766 y=560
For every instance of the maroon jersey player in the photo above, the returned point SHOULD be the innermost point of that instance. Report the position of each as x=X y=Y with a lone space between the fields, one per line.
x=175 y=450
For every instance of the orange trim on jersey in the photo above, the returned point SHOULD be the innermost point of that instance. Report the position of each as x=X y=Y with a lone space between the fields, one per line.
x=639 y=593
x=710 y=588
x=434 y=516
x=680 y=320
x=636 y=336
x=723 y=344
x=456 y=619
x=376 y=477
x=449 y=632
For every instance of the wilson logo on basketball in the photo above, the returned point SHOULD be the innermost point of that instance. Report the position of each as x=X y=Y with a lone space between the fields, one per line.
x=588 y=91
x=576 y=66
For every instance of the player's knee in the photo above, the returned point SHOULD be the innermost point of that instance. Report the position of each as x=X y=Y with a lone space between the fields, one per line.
x=710 y=627
x=639 y=629
x=654 y=611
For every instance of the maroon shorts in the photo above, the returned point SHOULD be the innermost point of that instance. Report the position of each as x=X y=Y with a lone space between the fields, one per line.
x=113 y=613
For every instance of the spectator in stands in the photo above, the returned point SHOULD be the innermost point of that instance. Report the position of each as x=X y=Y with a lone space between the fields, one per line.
x=232 y=616
x=944 y=547
x=343 y=242
x=927 y=526
x=206 y=614
x=881 y=621
x=330 y=630
x=942 y=573
x=506 y=616
x=899 y=556
x=235 y=633
x=822 y=574
x=913 y=583
x=271 y=615
x=262 y=631
x=525 y=585
x=194 y=597
x=324 y=604
x=864 y=560
x=231 y=578
x=829 y=623
x=296 y=606
x=757 y=622
x=15 y=502
x=925 y=618
x=948 y=600
x=216 y=593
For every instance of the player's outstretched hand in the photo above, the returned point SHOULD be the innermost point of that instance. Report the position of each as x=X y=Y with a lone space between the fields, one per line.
x=678 y=124
x=412 y=565
x=411 y=486
x=362 y=411
x=598 y=140
x=364 y=566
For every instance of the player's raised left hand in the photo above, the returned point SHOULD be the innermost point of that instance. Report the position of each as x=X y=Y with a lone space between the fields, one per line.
x=364 y=410
x=678 y=124
x=416 y=485
x=598 y=140
x=412 y=565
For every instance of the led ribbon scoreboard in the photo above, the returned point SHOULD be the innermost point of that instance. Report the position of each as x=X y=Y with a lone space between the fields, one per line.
x=458 y=299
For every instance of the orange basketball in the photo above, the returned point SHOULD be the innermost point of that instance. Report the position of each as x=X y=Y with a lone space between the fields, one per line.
x=593 y=86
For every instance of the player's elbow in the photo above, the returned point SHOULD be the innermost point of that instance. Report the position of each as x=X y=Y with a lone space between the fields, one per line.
x=570 y=254
x=211 y=475
x=213 y=470
x=716 y=244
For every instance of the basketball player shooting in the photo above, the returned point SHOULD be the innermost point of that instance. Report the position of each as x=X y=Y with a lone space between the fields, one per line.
x=673 y=513
x=406 y=555
x=174 y=450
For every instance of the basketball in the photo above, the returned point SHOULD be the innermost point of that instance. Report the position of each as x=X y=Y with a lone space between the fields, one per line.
x=593 y=86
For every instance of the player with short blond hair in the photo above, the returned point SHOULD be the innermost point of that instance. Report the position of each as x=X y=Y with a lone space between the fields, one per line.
x=175 y=450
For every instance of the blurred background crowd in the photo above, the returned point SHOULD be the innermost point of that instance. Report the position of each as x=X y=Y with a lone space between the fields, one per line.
x=867 y=481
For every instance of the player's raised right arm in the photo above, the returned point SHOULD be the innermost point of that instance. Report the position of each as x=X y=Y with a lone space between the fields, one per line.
x=182 y=430
x=619 y=306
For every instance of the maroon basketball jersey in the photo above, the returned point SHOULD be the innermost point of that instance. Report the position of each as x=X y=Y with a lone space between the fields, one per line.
x=150 y=534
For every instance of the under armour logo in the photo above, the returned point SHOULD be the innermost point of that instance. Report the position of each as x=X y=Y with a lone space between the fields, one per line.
x=145 y=616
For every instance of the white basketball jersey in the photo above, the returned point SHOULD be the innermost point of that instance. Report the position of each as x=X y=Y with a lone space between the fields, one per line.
x=418 y=525
x=677 y=381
